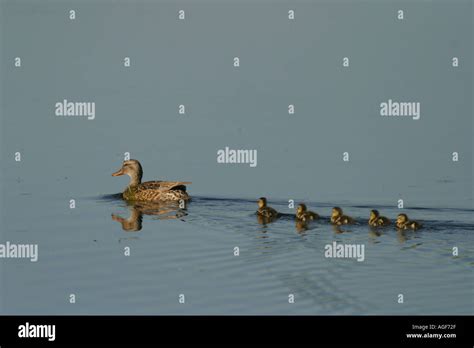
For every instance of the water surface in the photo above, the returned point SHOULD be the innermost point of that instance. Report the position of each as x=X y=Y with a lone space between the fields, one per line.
x=191 y=252
x=300 y=156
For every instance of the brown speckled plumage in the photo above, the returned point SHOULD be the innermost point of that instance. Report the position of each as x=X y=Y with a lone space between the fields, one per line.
x=338 y=217
x=266 y=214
x=375 y=220
x=150 y=190
x=157 y=191
x=303 y=214
x=403 y=223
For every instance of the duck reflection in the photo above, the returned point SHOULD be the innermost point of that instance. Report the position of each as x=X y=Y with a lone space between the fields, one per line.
x=403 y=236
x=375 y=232
x=160 y=211
x=265 y=220
x=338 y=229
x=304 y=226
x=301 y=226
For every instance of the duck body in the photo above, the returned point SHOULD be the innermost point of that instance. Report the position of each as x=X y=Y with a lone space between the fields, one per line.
x=157 y=191
x=303 y=214
x=409 y=225
x=403 y=223
x=342 y=220
x=267 y=212
x=338 y=218
x=379 y=222
x=151 y=191
x=375 y=220
x=307 y=216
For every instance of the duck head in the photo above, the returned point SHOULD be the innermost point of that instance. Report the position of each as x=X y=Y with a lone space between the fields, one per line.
x=374 y=214
x=262 y=202
x=336 y=212
x=301 y=209
x=133 y=169
x=401 y=219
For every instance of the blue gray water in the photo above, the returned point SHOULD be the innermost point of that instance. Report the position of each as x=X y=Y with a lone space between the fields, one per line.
x=283 y=62
x=82 y=252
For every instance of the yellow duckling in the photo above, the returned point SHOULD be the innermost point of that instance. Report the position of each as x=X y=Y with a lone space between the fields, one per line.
x=404 y=224
x=303 y=214
x=265 y=211
x=150 y=190
x=338 y=217
x=376 y=220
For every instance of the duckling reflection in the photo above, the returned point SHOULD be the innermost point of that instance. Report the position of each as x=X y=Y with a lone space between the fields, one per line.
x=375 y=220
x=301 y=226
x=338 y=229
x=374 y=234
x=403 y=223
x=338 y=218
x=266 y=214
x=161 y=211
x=404 y=235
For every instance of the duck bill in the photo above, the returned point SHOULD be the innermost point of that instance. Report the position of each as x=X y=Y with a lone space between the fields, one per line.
x=118 y=172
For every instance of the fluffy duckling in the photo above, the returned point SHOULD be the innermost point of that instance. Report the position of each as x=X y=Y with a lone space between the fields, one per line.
x=303 y=214
x=404 y=223
x=150 y=190
x=266 y=211
x=338 y=217
x=375 y=220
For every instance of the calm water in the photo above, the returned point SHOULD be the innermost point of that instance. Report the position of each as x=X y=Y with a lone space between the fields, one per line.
x=191 y=252
x=190 y=62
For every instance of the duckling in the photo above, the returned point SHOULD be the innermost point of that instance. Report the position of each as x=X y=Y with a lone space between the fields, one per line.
x=150 y=190
x=303 y=214
x=265 y=211
x=404 y=224
x=338 y=218
x=376 y=220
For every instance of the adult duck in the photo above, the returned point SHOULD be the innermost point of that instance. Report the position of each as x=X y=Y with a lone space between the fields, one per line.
x=150 y=190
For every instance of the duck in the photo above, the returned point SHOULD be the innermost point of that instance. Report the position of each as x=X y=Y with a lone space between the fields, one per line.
x=150 y=190
x=404 y=223
x=338 y=217
x=375 y=220
x=303 y=214
x=266 y=212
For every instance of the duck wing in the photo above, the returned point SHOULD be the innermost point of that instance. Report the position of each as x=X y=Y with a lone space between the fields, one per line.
x=164 y=185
